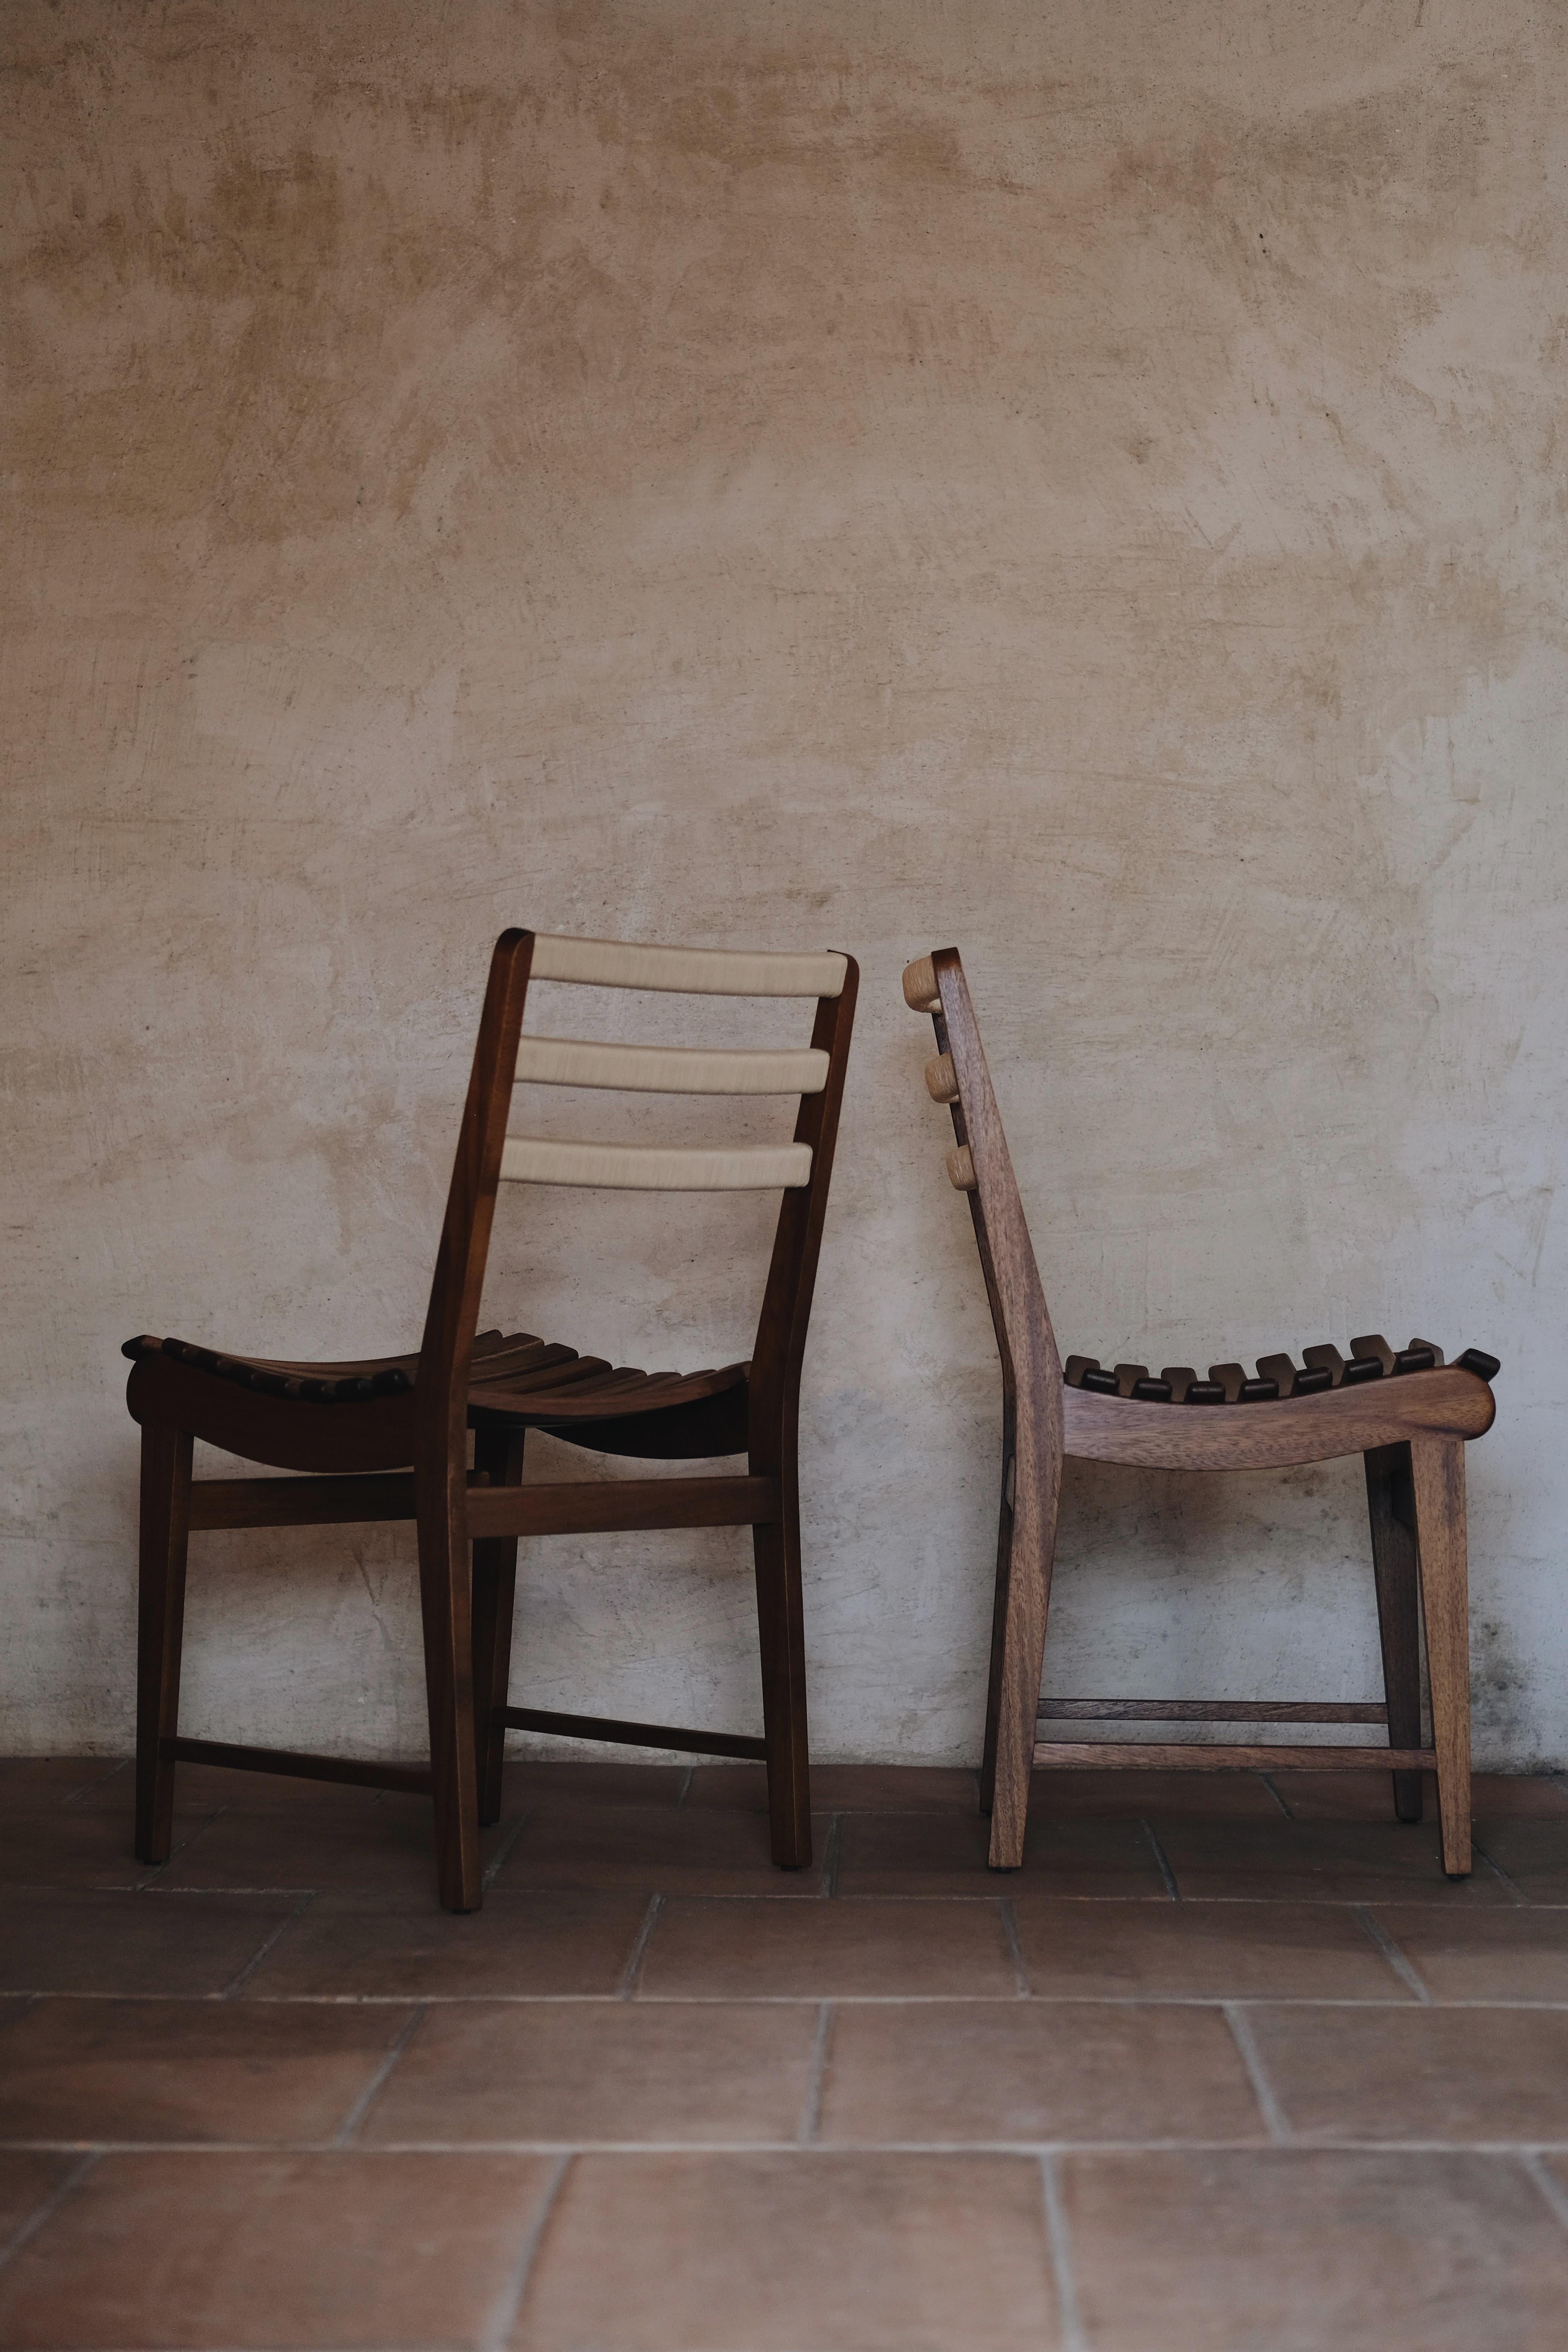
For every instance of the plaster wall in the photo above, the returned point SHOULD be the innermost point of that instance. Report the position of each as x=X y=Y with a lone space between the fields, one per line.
x=1083 y=482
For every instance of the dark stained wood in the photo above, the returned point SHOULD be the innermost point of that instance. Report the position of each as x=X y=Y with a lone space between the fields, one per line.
x=160 y=1608
x=412 y=1779
x=1390 y=1509
x=322 y=1502
x=285 y=1433
x=1205 y=1756
x=497 y=1458
x=601 y=1506
x=1212 y=1710
x=638 y=1734
x=1386 y=1407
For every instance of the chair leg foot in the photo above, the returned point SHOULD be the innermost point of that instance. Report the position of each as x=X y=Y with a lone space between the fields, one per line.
x=1437 y=1468
x=160 y=1610
x=780 y=1635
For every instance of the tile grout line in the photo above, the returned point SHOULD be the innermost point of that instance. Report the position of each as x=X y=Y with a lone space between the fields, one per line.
x=125 y=1764
x=1273 y=2114
x=507 y=2304
x=811 y=2108
x=1276 y=1795
x=343 y=2136
x=1074 y=2338
x=1548 y=2188
x=1163 y=1858
x=228 y=1991
x=1403 y=1967
x=687 y=1778
x=503 y=1851
x=1344 y=2143
x=638 y=1953
x=1015 y=1949
x=29 y=2229
x=1517 y=1892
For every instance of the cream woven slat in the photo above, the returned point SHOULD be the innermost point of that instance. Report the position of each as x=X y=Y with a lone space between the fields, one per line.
x=695 y=971
x=626 y=1167
x=670 y=1069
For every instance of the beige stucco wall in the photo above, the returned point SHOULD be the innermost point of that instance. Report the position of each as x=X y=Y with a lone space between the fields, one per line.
x=1085 y=482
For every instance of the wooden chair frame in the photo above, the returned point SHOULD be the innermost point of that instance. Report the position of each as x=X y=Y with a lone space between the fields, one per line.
x=388 y=1439
x=1412 y=1432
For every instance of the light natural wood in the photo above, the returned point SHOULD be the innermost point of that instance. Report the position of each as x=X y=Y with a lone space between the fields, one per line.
x=1205 y=1756
x=1449 y=1404
x=1437 y=1476
x=598 y=1506
x=942 y=1083
x=669 y=1069
x=638 y=1167
x=960 y=1172
x=1207 y=1710
x=920 y=986
x=636 y=1735
x=689 y=972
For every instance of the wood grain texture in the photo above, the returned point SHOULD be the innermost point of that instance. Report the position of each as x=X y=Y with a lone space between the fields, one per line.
x=1271 y=1436
x=1438 y=1477
x=1213 y=1710
x=1205 y=1756
x=604 y=1505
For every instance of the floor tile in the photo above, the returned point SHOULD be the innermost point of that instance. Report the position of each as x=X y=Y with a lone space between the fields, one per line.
x=336 y=2248
x=169 y=2069
x=28 y=1781
x=707 y=1948
x=614 y=2070
x=388 y=1846
x=1111 y=1796
x=1368 y=1796
x=344 y=1944
x=65 y=1845
x=28 y=2178
x=944 y=1854
x=528 y=1781
x=844 y=1788
x=1290 y=2251
x=705 y=1852
x=807 y=2252
x=1533 y=1854
x=1323 y=1862
x=972 y=2070
x=218 y=1788
x=1417 y=2074
x=74 y=1940
x=1313 y=1951
x=1481 y=1954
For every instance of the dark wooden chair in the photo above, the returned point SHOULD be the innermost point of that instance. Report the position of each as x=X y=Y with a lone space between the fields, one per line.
x=388 y=1438
x=1407 y=1412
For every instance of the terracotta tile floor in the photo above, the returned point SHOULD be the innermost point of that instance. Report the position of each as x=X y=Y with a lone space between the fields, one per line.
x=1228 y=2067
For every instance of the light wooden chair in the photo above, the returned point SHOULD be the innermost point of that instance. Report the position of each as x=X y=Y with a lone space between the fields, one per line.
x=1407 y=1412
x=388 y=1439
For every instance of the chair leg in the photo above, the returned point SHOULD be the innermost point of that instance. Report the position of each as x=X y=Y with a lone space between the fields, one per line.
x=497 y=1453
x=998 y=1622
x=1438 y=1470
x=1390 y=1509
x=780 y=1635
x=161 y=1615
x=444 y=1600
x=1037 y=1491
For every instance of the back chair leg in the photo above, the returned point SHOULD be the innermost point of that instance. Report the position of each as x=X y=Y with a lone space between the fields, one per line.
x=1391 y=1506
x=780 y=1635
x=161 y=1615
x=449 y=1692
x=998 y=1619
x=1032 y=1551
x=1438 y=1471
x=498 y=1453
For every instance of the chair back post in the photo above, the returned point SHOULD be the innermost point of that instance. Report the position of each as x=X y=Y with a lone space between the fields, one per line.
x=446 y=1351
x=780 y=1350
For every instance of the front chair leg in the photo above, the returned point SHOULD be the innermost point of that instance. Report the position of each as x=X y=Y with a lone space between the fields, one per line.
x=449 y=1690
x=498 y=1453
x=161 y=1615
x=1391 y=1510
x=1438 y=1471
x=780 y=1635
x=998 y=1621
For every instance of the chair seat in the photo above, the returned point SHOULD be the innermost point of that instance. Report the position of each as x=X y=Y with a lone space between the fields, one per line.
x=1322 y=1370
x=537 y=1382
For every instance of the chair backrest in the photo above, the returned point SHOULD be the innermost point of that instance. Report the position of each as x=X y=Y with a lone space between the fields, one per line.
x=979 y=1164
x=488 y=1155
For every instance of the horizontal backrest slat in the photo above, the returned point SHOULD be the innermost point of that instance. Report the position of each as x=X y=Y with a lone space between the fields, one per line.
x=695 y=972
x=670 y=1069
x=626 y=1167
